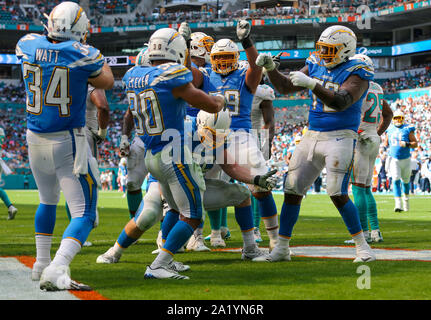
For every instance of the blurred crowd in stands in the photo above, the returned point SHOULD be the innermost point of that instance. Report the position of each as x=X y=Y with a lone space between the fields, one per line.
x=129 y=14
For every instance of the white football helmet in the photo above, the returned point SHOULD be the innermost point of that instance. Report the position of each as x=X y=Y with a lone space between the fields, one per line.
x=363 y=58
x=167 y=44
x=213 y=127
x=224 y=56
x=398 y=118
x=142 y=58
x=336 y=45
x=201 y=45
x=67 y=21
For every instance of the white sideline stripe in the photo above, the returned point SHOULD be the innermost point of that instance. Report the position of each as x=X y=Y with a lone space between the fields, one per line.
x=16 y=284
x=349 y=253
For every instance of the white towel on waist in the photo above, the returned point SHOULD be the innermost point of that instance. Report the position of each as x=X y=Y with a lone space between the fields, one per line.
x=81 y=152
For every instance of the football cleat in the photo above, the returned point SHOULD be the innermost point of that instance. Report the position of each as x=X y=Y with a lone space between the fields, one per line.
x=37 y=270
x=225 y=233
x=87 y=244
x=57 y=277
x=364 y=254
x=253 y=253
x=12 y=211
x=217 y=242
x=275 y=256
x=376 y=236
x=178 y=266
x=257 y=235
x=398 y=210
x=197 y=244
x=163 y=272
x=109 y=257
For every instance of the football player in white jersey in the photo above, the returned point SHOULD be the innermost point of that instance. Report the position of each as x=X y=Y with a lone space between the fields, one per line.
x=4 y=169
x=376 y=116
x=263 y=124
x=59 y=154
x=218 y=194
x=238 y=86
x=338 y=86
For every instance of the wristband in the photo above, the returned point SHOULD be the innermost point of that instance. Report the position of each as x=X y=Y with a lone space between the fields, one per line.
x=247 y=43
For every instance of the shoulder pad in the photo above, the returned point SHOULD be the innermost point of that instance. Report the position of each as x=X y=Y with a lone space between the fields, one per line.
x=170 y=71
x=265 y=92
x=205 y=71
x=359 y=67
x=89 y=54
x=21 y=49
x=312 y=59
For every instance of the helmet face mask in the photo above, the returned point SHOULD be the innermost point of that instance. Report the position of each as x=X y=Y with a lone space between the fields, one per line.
x=201 y=45
x=336 y=45
x=398 y=118
x=224 y=56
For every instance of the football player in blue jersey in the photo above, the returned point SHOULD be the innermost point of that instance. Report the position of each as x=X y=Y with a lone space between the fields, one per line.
x=338 y=86
x=401 y=139
x=238 y=86
x=209 y=131
x=160 y=94
x=56 y=69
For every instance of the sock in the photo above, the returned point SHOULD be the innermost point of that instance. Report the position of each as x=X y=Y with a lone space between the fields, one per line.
x=44 y=219
x=288 y=217
x=268 y=212
x=256 y=213
x=124 y=241
x=162 y=259
x=134 y=199
x=67 y=251
x=177 y=237
x=43 y=248
x=215 y=219
x=5 y=198
x=406 y=189
x=68 y=212
x=359 y=239
x=397 y=188
x=199 y=230
x=350 y=215
x=371 y=209
x=223 y=218
x=79 y=228
x=360 y=199
x=244 y=218
x=283 y=243
x=248 y=239
x=169 y=221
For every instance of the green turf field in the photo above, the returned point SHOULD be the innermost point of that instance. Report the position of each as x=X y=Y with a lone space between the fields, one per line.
x=222 y=275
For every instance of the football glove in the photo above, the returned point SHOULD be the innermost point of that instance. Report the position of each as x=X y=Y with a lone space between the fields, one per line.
x=277 y=60
x=124 y=146
x=96 y=136
x=300 y=79
x=243 y=29
x=266 y=181
x=265 y=60
x=185 y=31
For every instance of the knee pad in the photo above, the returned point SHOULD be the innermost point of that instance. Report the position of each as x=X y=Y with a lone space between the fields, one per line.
x=149 y=212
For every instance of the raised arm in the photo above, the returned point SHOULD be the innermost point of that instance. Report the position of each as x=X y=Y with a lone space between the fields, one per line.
x=254 y=72
x=268 y=118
